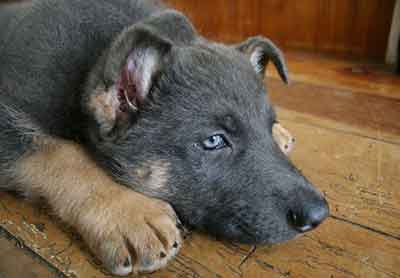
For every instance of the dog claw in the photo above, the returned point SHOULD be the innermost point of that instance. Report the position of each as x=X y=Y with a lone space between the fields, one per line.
x=124 y=269
x=148 y=232
x=127 y=262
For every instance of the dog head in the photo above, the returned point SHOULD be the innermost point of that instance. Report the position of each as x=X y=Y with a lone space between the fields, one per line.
x=191 y=123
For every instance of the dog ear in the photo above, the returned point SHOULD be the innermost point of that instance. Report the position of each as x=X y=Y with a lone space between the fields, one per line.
x=260 y=50
x=134 y=59
x=127 y=72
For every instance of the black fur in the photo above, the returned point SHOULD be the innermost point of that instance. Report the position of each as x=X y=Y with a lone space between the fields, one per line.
x=54 y=55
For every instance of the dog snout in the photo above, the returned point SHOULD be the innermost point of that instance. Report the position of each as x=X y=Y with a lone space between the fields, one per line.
x=309 y=215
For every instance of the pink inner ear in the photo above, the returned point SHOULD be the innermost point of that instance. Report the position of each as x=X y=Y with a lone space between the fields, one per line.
x=127 y=90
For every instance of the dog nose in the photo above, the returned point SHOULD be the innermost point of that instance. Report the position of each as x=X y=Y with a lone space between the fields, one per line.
x=308 y=216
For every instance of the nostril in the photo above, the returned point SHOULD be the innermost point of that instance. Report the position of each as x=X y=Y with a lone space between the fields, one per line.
x=317 y=214
x=308 y=217
x=298 y=221
x=293 y=218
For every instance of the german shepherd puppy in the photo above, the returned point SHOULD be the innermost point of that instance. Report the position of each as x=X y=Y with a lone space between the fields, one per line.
x=112 y=110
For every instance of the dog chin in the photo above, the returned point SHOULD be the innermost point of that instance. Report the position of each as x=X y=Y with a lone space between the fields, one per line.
x=270 y=239
x=283 y=238
x=249 y=238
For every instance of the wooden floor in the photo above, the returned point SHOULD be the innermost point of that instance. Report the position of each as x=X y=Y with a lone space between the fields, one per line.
x=346 y=118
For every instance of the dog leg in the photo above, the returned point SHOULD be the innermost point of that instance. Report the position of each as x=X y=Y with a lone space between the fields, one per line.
x=126 y=230
x=283 y=137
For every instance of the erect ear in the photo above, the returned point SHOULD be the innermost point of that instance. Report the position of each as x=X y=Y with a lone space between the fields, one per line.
x=260 y=51
x=133 y=61
x=127 y=72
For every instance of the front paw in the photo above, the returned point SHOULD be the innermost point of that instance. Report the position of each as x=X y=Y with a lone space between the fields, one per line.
x=133 y=233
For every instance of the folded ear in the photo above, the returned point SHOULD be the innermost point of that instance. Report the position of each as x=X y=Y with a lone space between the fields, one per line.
x=260 y=51
x=127 y=72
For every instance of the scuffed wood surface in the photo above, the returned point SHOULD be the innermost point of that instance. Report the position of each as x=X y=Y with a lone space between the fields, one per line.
x=348 y=144
x=336 y=249
x=358 y=176
x=15 y=263
x=340 y=74
x=34 y=229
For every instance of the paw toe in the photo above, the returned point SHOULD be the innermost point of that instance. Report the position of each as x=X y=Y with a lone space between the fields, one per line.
x=115 y=255
x=123 y=269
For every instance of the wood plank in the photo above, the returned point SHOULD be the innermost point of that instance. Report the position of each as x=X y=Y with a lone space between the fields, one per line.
x=336 y=249
x=348 y=111
x=341 y=74
x=16 y=262
x=358 y=176
x=200 y=256
x=50 y=240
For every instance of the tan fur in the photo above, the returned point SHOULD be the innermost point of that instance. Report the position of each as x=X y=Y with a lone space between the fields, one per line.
x=105 y=213
x=104 y=106
x=153 y=175
x=283 y=137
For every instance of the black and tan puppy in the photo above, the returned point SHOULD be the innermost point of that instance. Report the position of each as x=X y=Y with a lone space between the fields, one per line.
x=101 y=97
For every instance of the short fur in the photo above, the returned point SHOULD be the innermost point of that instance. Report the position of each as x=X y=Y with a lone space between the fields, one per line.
x=130 y=85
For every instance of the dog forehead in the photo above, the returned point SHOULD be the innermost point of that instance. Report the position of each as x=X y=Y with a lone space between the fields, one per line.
x=216 y=72
x=206 y=84
x=216 y=58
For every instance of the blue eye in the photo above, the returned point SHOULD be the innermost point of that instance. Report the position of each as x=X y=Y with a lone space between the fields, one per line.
x=214 y=142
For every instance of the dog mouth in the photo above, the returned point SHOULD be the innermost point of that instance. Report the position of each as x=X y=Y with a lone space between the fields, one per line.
x=266 y=239
x=242 y=232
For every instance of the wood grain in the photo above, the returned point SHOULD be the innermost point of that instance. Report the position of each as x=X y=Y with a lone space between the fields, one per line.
x=341 y=74
x=336 y=249
x=17 y=263
x=340 y=109
x=357 y=174
x=353 y=28
x=348 y=144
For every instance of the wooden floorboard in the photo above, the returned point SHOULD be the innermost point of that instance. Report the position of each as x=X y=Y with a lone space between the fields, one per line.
x=322 y=70
x=358 y=175
x=348 y=144
x=16 y=262
x=347 y=110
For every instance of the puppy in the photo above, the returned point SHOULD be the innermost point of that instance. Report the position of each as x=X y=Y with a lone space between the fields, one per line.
x=111 y=110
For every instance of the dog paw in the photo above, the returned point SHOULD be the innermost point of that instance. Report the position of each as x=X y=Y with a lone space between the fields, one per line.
x=134 y=233
x=283 y=138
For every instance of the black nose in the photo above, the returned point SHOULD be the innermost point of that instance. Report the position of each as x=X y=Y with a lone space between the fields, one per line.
x=308 y=216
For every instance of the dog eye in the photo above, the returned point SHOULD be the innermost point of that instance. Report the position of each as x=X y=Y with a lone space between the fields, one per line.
x=214 y=142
